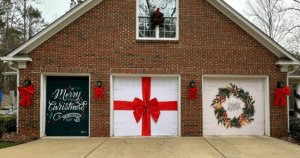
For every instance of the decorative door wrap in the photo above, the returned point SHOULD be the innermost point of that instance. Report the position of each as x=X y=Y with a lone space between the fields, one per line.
x=233 y=106
x=145 y=106
x=67 y=106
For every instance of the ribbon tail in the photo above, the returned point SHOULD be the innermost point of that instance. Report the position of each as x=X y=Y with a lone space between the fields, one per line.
x=283 y=101
x=276 y=101
x=22 y=102
x=101 y=95
x=96 y=96
x=146 y=124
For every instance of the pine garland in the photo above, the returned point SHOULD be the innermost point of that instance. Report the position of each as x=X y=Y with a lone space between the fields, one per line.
x=221 y=113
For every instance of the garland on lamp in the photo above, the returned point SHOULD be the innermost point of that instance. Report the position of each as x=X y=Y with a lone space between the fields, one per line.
x=157 y=18
x=248 y=111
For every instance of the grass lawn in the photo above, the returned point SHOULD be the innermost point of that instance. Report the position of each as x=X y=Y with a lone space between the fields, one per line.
x=7 y=118
x=7 y=144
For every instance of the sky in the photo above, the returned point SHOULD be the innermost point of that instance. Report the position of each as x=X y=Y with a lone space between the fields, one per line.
x=52 y=9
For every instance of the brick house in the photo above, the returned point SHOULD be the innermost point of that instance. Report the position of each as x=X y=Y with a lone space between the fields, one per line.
x=113 y=41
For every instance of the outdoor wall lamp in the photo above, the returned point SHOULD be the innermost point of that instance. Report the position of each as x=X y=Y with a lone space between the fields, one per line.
x=99 y=90
x=27 y=83
x=99 y=83
x=193 y=90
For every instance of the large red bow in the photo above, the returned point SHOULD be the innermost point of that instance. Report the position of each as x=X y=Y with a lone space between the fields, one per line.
x=99 y=92
x=146 y=109
x=279 y=93
x=193 y=92
x=25 y=95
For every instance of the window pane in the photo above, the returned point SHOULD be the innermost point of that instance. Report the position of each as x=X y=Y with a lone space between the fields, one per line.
x=145 y=28
x=168 y=30
x=146 y=6
x=168 y=7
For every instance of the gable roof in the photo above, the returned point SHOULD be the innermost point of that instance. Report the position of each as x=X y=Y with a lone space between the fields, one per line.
x=76 y=12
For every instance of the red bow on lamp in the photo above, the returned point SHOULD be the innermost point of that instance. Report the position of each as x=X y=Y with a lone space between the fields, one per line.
x=279 y=93
x=25 y=95
x=193 y=92
x=145 y=109
x=99 y=92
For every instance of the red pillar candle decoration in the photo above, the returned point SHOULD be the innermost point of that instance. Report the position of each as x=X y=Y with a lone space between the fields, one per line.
x=280 y=95
x=25 y=95
x=99 y=92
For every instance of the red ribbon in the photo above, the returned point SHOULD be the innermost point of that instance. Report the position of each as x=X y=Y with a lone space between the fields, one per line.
x=145 y=107
x=25 y=95
x=279 y=93
x=99 y=92
x=193 y=92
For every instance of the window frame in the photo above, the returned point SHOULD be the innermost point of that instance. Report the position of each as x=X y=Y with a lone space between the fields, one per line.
x=157 y=27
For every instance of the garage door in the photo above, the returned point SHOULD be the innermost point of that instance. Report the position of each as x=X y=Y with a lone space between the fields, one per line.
x=233 y=106
x=145 y=106
x=67 y=106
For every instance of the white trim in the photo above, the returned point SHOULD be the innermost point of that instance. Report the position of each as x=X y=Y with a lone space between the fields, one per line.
x=18 y=95
x=9 y=73
x=156 y=28
x=144 y=75
x=25 y=59
x=111 y=106
x=54 y=27
x=251 y=29
x=43 y=101
x=266 y=89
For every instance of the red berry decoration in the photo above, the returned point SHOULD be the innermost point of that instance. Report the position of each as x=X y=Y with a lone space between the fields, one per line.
x=52 y=96
x=48 y=121
x=81 y=113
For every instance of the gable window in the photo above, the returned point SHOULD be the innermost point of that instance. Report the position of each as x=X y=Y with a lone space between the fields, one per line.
x=168 y=30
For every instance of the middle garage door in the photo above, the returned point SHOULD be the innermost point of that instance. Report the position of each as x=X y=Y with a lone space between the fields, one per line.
x=145 y=106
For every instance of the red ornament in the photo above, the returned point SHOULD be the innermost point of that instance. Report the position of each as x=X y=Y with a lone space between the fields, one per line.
x=48 y=121
x=99 y=92
x=25 y=95
x=279 y=93
x=68 y=88
x=52 y=96
x=193 y=92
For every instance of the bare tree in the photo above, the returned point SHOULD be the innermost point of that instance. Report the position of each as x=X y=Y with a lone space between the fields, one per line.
x=271 y=17
x=74 y=3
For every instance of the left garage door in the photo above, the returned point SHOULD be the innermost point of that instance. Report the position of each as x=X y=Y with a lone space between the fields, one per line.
x=67 y=106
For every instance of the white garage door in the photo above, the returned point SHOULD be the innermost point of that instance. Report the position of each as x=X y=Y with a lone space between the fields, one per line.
x=235 y=109
x=135 y=97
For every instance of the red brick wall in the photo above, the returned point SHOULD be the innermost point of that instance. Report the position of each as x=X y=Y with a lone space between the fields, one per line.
x=103 y=41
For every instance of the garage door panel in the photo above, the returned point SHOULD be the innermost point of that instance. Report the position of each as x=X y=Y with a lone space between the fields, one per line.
x=210 y=122
x=67 y=106
x=164 y=89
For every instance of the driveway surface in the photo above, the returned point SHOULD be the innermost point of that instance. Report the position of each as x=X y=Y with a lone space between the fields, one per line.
x=155 y=147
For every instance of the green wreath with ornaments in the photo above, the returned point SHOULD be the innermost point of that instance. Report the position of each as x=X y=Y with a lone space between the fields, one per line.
x=221 y=114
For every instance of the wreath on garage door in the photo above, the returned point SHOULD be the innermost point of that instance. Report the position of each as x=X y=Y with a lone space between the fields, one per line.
x=221 y=114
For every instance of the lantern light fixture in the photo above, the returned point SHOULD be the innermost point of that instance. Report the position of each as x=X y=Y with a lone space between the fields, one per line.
x=99 y=83
x=27 y=83
x=192 y=84
x=280 y=85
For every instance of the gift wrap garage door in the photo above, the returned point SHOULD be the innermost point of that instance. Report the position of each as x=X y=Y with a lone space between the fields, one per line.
x=134 y=97
x=240 y=114
x=67 y=106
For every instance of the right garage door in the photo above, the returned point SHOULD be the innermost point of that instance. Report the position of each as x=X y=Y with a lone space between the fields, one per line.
x=233 y=106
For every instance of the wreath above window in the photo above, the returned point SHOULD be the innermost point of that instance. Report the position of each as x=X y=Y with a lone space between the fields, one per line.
x=157 y=18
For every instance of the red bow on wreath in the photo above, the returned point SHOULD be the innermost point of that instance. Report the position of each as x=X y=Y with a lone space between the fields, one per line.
x=279 y=93
x=193 y=92
x=99 y=92
x=25 y=95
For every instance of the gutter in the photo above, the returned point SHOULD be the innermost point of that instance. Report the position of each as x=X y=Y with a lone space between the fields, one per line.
x=18 y=84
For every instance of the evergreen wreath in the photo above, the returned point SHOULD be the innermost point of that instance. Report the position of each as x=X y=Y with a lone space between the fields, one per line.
x=157 y=18
x=248 y=110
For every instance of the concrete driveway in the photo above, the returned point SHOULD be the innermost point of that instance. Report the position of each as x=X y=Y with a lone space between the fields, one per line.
x=155 y=147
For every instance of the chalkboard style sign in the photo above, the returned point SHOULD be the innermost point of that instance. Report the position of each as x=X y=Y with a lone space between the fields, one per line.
x=67 y=106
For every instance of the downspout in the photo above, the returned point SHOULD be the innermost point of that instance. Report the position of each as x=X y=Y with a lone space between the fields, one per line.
x=288 y=98
x=18 y=84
